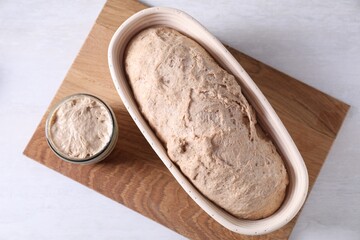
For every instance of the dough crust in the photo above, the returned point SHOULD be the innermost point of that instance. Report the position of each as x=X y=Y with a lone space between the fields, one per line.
x=206 y=124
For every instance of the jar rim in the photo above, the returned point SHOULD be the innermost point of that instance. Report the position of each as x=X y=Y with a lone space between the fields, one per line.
x=92 y=157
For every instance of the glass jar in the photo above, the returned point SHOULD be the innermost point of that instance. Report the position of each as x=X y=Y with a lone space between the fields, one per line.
x=81 y=129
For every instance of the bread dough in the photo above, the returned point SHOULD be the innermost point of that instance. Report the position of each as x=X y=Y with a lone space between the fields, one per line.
x=81 y=127
x=209 y=129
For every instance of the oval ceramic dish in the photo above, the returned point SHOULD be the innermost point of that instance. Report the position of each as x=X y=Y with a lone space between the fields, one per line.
x=180 y=21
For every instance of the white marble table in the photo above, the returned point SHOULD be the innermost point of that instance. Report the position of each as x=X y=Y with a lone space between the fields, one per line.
x=316 y=42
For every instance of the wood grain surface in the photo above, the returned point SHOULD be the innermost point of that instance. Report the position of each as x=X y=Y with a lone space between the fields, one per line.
x=134 y=176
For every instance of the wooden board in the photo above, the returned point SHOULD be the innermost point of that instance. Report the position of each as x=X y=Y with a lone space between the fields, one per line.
x=134 y=176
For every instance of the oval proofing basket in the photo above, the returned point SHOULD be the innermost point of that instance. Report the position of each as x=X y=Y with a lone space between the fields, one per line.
x=180 y=21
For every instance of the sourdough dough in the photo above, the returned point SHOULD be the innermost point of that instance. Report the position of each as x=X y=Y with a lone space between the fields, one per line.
x=81 y=127
x=207 y=126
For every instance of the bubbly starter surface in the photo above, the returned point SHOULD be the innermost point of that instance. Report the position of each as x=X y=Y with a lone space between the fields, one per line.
x=81 y=127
